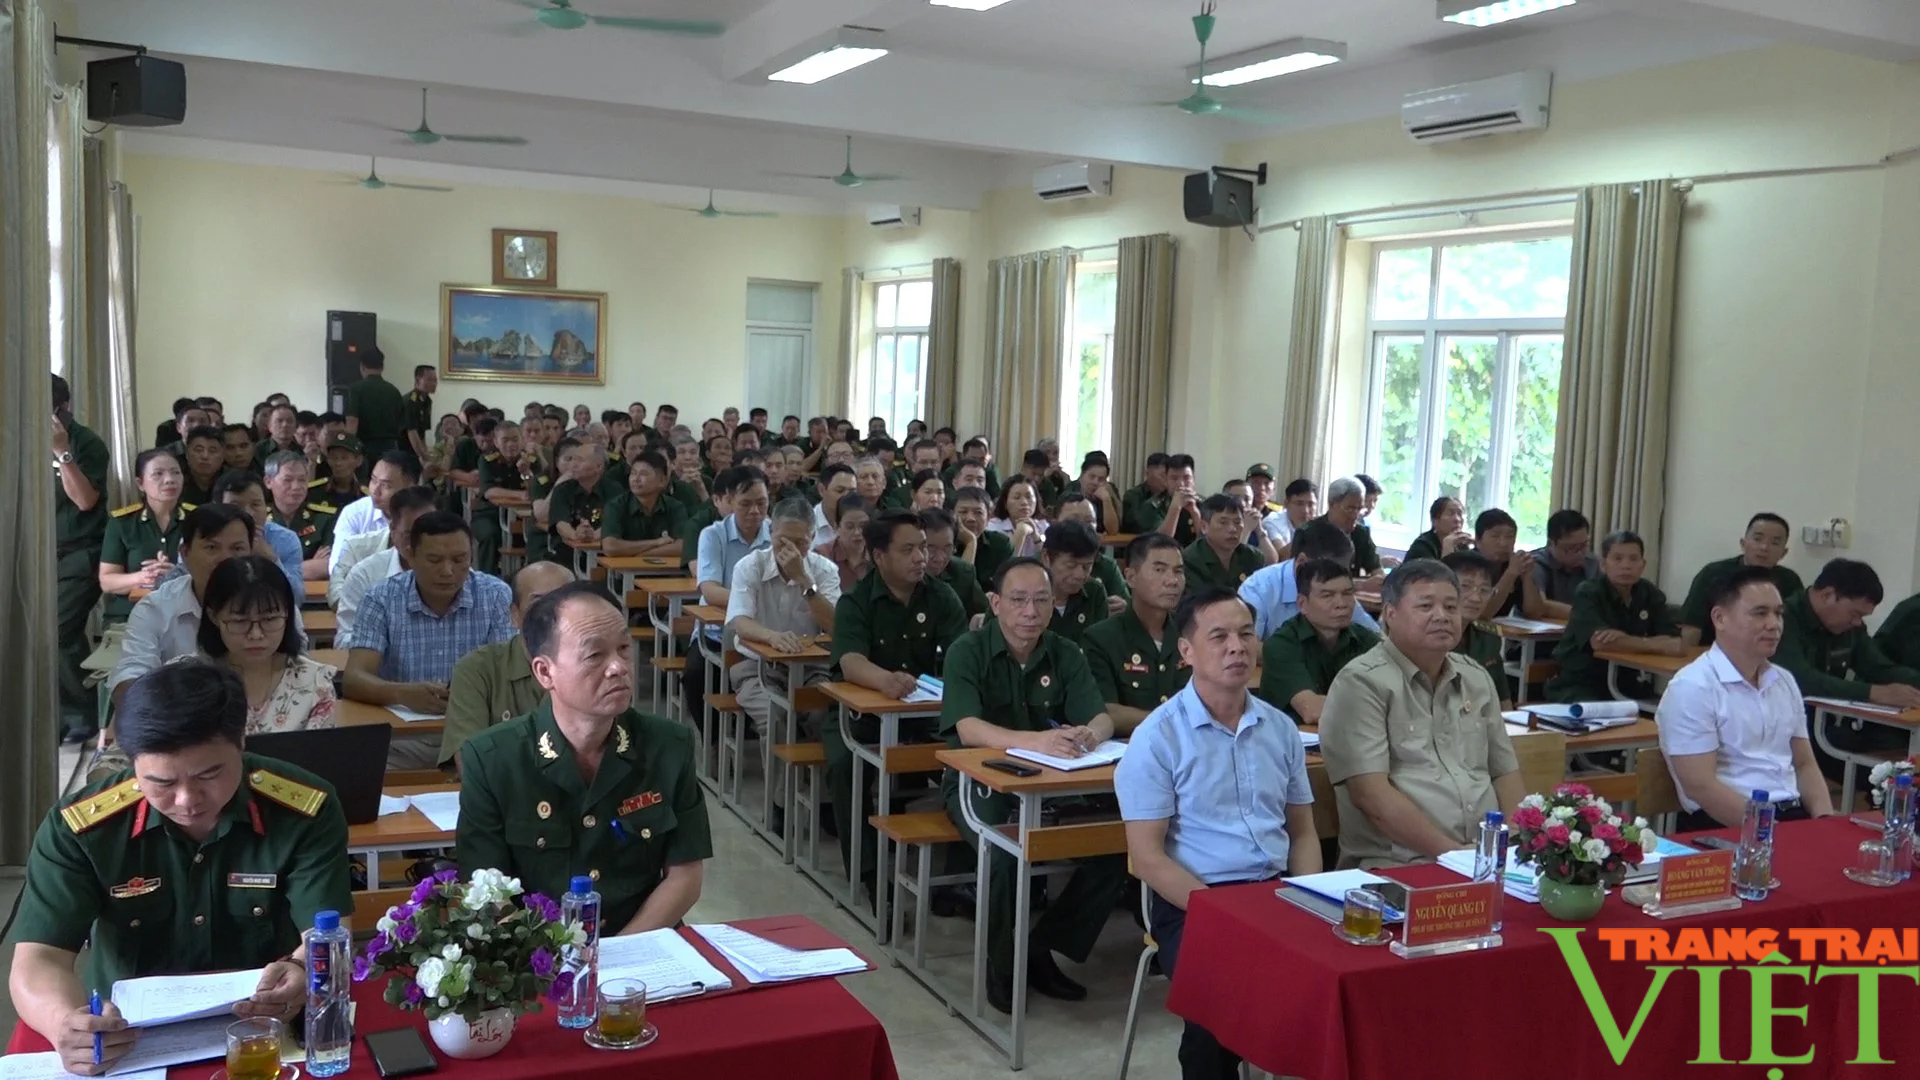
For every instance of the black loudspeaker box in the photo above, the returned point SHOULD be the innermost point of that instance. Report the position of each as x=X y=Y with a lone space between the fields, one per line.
x=137 y=91
x=1223 y=202
x=348 y=333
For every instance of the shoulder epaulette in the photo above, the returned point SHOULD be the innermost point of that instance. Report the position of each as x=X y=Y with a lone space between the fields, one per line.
x=495 y=456
x=100 y=806
x=188 y=508
x=318 y=481
x=291 y=794
x=133 y=508
x=323 y=508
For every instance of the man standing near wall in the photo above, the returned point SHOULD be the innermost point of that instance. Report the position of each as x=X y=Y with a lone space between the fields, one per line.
x=376 y=413
x=80 y=522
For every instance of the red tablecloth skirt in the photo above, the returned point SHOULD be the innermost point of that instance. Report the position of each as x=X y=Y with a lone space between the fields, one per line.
x=1274 y=985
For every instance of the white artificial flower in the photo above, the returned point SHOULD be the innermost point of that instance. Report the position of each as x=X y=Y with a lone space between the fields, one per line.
x=489 y=887
x=444 y=1002
x=1538 y=802
x=386 y=925
x=1594 y=851
x=1639 y=823
x=1562 y=813
x=474 y=931
x=451 y=953
x=1574 y=838
x=431 y=971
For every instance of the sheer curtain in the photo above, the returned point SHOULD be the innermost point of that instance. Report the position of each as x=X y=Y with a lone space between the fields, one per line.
x=1307 y=411
x=1142 y=351
x=1026 y=321
x=851 y=287
x=1610 y=450
x=29 y=683
x=106 y=364
x=943 y=346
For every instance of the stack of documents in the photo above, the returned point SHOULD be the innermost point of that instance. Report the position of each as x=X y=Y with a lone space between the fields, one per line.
x=441 y=807
x=46 y=1066
x=394 y=804
x=763 y=961
x=1333 y=886
x=1310 y=740
x=665 y=961
x=1523 y=882
x=412 y=717
x=1531 y=626
x=929 y=690
x=169 y=999
x=1516 y=722
x=1587 y=716
x=1106 y=753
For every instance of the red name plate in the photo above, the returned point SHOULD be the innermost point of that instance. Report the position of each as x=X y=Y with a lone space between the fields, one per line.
x=1449 y=913
x=1696 y=879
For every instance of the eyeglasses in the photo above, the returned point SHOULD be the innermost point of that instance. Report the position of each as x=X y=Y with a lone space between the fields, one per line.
x=241 y=626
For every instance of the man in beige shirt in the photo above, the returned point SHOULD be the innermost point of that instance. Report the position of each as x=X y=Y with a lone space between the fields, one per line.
x=494 y=683
x=1412 y=735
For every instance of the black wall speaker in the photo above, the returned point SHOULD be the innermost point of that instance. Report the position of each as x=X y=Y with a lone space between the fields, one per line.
x=137 y=91
x=1223 y=202
x=348 y=334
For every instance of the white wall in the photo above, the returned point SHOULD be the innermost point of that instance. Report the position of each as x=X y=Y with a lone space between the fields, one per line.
x=240 y=263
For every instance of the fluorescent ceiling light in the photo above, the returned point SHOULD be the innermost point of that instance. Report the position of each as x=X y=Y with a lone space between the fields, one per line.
x=839 y=52
x=968 y=5
x=1479 y=13
x=1271 y=61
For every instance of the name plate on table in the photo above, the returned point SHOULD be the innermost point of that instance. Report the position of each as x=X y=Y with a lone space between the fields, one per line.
x=1694 y=885
x=1448 y=919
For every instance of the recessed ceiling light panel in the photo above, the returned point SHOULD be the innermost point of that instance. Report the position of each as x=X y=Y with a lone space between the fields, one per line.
x=968 y=5
x=1481 y=13
x=1270 y=61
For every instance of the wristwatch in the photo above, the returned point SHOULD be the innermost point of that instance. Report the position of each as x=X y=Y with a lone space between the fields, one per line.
x=810 y=593
x=64 y=457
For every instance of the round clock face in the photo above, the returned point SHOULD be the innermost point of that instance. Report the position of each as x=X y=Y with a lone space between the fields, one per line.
x=526 y=257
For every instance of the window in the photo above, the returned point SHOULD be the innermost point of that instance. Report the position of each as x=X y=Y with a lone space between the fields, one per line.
x=1464 y=337
x=1086 y=386
x=892 y=384
x=779 y=347
x=59 y=256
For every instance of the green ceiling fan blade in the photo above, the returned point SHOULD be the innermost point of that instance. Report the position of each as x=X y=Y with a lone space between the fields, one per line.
x=490 y=140
x=426 y=136
x=807 y=175
x=882 y=176
x=418 y=187
x=679 y=27
x=748 y=213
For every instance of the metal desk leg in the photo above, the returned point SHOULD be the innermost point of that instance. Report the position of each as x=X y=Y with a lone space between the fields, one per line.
x=889 y=738
x=1613 y=682
x=983 y=886
x=1821 y=718
x=1526 y=665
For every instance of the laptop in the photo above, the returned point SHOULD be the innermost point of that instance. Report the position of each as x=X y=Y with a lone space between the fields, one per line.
x=352 y=759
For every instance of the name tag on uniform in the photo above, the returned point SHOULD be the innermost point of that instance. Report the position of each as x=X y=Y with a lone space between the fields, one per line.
x=134 y=887
x=1138 y=668
x=253 y=881
x=640 y=802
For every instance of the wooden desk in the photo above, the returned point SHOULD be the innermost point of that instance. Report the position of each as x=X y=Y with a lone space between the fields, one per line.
x=673 y=591
x=1028 y=841
x=586 y=555
x=1530 y=639
x=1651 y=663
x=359 y=713
x=887 y=760
x=397 y=832
x=624 y=569
x=319 y=623
x=784 y=710
x=333 y=658
x=1117 y=542
x=1833 y=711
x=315 y=592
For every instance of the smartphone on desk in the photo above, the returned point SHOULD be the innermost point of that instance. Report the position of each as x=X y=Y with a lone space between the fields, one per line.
x=1012 y=767
x=1719 y=842
x=400 y=1052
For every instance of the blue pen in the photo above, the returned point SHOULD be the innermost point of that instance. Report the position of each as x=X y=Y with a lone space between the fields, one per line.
x=93 y=1005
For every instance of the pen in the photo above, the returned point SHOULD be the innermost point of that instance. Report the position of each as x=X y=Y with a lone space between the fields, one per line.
x=93 y=1006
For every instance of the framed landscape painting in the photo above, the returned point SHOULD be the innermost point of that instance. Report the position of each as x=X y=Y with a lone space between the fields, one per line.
x=523 y=335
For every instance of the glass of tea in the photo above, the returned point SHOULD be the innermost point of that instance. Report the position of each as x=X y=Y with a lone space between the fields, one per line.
x=620 y=1016
x=1363 y=918
x=253 y=1049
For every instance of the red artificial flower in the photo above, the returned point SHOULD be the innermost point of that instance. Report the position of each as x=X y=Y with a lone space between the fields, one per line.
x=1528 y=817
x=1577 y=791
x=1632 y=854
x=1590 y=814
x=1606 y=831
x=1559 y=834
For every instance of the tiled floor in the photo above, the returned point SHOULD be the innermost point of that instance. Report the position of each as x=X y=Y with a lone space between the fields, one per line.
x=1080 y=1041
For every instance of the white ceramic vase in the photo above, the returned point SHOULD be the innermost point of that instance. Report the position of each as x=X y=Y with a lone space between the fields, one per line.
x=471 y=1040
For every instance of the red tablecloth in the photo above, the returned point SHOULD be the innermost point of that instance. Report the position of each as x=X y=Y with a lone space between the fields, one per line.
x=811 y=1030
x=1273 y=984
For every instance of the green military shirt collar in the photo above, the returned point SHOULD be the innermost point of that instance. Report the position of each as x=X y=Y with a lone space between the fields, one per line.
x=873 y=590
x=1134 y=633
x=1302 y=631
x=1637 y=606
x=1228 y=575
x=1043 y=650
x=554 y=756
x=1084 y=608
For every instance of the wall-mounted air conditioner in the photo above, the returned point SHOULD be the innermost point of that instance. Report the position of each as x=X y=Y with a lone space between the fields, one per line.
x=894 y=217
x=1518 y=102
x=1073 y=180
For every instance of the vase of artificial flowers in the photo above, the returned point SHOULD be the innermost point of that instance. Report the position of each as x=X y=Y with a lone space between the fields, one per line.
x=473 y=956
x=1578 y=846
x=1881 y=778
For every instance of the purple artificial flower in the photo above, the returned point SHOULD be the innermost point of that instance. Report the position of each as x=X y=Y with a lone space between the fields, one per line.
x=414 y=994
x=406 y=932
x=361 y=969
x=405 y=911
x=543 y=907
x=423 y=892
x=541 y=961
x=446 y=876
x=381 y=943
x=562 y=986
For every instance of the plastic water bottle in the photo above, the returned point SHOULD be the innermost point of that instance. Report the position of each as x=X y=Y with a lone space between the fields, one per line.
x=1490 y=859
x=1898 y=831
x=329 y=952
x=576 y=1003
x=1753 y=870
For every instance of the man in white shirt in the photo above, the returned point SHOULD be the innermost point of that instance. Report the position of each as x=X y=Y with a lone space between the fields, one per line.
x=404 y=509
x=395 y=470
x=836 y=483
x=1732 y=723
x=166 y=624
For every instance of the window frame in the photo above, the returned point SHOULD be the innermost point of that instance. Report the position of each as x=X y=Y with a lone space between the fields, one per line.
x=1068 y=420
x=866 y=377
x=1434 y=331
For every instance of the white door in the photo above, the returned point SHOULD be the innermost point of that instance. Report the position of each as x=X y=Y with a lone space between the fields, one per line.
x=779 y=348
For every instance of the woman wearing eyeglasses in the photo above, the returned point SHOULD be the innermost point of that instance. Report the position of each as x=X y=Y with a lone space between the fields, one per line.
x=249 y=620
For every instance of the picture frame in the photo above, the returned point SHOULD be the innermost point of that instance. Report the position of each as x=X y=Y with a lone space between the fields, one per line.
x=513 y=334
x=526 y=257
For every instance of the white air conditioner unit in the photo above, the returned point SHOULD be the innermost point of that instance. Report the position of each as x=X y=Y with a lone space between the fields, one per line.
x=894 y=217
x=1518 y=102
x=1073 y=180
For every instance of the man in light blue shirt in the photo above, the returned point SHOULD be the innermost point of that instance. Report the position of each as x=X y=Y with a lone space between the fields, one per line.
x=413 y=627
x=245 y=490
x=1214 y=791
x=743 y=491
x=1273 y=593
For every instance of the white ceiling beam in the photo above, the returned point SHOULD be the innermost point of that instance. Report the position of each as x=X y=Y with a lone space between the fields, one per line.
x=1880 y=29
x=785 y=25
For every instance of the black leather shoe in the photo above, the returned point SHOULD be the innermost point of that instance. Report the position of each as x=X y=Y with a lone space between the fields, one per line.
x=1000 y=994
x=1045 y=977
x=953 y=901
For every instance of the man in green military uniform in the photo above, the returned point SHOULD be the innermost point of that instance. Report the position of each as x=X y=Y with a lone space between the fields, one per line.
x=1075 y=506
x=1479 y=641
x=294 y=507
x=463 y=474
x=1899 y=636
x=1079 y=601
x=1148 y=500
x=376 y=414
x=1013 y=683
x=514 y=475
x=1824 y=644
x=576 y=510
x=1181 y=519
x=1621 y=609
x=282 y=436
x=494 y=683
x=1346 y=504
x=586 y=783
x=943 y=567
x=80 y=525
x=1135 y=656
x=342 y=487
x=892 y=627
x=199 y=858
x=644 y=519
x=419 y=411
x=1220 y=556
x=1299 y=660
x=202 y=462
x=1763 y=544
x=981 y=546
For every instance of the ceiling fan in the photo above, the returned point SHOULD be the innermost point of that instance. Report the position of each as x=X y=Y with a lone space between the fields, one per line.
x=1202 y=103
x=426 y=136
x=710 y=212
x=562 y=15
x=372 y=181
x=847 y=178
